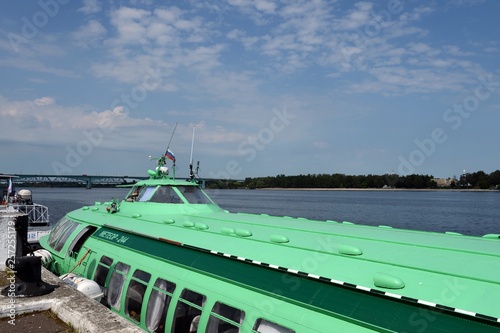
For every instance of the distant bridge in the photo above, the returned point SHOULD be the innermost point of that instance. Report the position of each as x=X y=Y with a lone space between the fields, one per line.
x=87 y=180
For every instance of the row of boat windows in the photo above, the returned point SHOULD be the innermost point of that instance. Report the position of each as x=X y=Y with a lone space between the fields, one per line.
x=168 y=194
x=190 y=305
x=223 y=318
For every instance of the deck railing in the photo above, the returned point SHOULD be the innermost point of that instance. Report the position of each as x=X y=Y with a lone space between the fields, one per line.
x=37 y=214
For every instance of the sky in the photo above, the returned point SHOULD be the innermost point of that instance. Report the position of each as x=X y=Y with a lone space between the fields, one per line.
x=264 y=87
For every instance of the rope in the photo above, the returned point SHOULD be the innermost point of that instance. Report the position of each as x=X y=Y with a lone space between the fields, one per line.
x=80 y=261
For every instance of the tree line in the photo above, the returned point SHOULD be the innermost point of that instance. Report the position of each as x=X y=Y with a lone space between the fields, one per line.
x=475 y=180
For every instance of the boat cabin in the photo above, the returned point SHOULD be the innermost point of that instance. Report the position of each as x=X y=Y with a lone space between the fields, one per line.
x=167 y=193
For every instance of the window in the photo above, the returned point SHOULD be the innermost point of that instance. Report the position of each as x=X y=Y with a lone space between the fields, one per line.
x=63 y=234
x=79 y=240
x=135 y=294
x=225 y=319
x=264 y=326
x=188 y=312
x=116 y=285
x=100 y=275
x=102 y=270
x=158 y=305
x=194 y=195
x=146 y=193
x=165 y=194
x=133 y=194
x=58 y=230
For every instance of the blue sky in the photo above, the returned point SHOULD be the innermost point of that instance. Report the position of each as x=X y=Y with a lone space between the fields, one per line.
x=272 y=87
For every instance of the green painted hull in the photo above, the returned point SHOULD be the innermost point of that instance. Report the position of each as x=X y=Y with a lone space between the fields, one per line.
x=307 y=276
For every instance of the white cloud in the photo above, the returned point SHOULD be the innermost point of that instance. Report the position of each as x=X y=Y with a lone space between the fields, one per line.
x=456 y=51
x=89 y=34
x=130 y=24
x=420 y=48
x=465 y=2
x=264 y=6
x=45 y=101
x=43 y=120
x=90 y=7
x=36 y=66
x=357 y=17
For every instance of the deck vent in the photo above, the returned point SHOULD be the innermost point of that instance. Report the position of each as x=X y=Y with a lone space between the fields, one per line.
x=136 y=215
x=349 y=223
x=85 y=208
x=385 y=226
x=279 y=239
x=243 y=232
x=227 y=231
x=383 y=280
x=188 y=224
x=169 y=221
x=201 y=226
x=492 y=236
x=453 y=233
x=350 y=250
x=95 y=208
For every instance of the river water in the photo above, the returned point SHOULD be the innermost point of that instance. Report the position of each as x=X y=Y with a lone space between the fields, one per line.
x=466 y=212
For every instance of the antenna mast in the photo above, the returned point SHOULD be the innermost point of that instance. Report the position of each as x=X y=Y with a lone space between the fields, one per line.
x=169 y=154
x=191 y=174
x=171 y=139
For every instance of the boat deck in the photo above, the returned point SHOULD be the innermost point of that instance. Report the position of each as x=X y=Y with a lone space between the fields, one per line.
x=459 y=273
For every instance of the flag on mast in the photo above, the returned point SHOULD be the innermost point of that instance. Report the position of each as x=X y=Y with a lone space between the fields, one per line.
x=170 y=155
x=9 y=189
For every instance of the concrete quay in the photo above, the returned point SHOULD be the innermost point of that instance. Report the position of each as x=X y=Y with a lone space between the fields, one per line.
x=80 y=313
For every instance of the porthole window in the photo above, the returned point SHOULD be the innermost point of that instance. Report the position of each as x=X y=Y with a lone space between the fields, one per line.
x=160 y=298
x=116 y=285
x=264 y=326
x=225 y=319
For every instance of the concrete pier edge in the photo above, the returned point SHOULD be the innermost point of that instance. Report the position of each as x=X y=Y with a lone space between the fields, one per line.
x=71 y=306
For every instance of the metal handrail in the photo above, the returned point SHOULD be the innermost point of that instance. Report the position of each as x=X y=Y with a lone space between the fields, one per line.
x=37 y=214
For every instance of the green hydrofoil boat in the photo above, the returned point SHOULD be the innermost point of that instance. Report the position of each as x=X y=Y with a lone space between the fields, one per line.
x=169 y=259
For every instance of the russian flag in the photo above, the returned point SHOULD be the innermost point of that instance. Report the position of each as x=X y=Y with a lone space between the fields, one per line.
x=9 y=189
x=170 y=155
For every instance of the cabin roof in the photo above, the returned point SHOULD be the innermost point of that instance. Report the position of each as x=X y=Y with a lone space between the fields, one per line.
x=453 y=270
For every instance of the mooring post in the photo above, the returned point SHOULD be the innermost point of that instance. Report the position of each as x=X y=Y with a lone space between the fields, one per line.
x=12 y=226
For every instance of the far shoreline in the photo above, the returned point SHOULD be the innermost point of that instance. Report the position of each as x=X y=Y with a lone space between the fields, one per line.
x=373 y=189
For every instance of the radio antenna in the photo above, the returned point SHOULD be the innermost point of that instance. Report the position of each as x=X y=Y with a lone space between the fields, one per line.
x=191 y=174
x=171 y=139
x=161 y=161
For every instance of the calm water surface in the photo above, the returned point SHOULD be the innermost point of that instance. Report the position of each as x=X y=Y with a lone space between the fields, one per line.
x=470 y=213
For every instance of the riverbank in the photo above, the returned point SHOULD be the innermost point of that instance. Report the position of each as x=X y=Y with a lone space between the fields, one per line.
x=376 y=189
